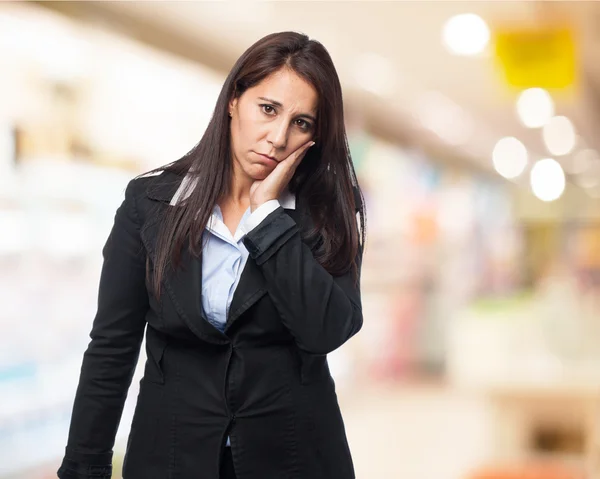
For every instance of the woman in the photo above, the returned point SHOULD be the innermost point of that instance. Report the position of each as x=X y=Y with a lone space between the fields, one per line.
x=242 y=262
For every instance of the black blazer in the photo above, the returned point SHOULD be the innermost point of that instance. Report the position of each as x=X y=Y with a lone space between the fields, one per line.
x=264 y=382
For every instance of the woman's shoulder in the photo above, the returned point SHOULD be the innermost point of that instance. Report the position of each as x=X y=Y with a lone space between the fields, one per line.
x=147 y=193
x=157 y=185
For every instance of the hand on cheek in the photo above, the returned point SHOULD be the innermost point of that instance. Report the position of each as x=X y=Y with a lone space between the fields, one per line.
x=273 y=185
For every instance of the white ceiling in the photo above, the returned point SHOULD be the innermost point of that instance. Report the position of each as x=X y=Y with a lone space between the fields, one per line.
x=405 y=33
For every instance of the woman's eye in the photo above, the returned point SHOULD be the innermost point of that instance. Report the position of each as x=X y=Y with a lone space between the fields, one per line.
x=303 y=124
x=268 y=109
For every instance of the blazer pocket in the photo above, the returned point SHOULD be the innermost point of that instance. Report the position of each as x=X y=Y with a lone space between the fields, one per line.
x=155 y=352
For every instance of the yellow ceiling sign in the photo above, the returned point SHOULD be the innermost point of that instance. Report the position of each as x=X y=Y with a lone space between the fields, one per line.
x=541 y=57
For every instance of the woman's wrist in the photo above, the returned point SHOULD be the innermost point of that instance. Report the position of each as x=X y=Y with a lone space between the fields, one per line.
x=257 y=203
x=259 y=214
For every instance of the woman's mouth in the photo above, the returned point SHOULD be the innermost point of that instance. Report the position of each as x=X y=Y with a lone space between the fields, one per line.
x=268 y=158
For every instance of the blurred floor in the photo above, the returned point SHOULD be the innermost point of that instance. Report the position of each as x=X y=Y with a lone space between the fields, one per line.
x=423 y=432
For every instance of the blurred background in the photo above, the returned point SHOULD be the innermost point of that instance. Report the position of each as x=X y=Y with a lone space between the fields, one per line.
x=474 y=131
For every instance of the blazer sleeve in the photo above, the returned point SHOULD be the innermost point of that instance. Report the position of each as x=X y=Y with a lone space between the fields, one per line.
x=320 y=310
x=112 y=354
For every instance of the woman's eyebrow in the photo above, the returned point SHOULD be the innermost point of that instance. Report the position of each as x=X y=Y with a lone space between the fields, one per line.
x=270 y=100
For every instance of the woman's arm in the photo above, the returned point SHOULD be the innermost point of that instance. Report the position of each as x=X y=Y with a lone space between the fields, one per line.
x=110 y=359
x=321 y=311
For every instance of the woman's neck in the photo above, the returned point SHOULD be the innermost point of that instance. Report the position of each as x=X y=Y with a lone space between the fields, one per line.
x=239 y=190
x=236 y=202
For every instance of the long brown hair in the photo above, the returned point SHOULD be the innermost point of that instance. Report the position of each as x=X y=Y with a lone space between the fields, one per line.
x=325 y=179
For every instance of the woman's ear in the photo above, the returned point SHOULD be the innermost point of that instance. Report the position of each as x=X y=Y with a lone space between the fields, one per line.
x=232 y=105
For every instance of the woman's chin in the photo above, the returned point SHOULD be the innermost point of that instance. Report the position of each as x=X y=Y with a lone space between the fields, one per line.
x=260 y=172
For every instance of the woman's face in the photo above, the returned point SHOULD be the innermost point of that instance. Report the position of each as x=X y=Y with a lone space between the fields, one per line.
x=271 y=120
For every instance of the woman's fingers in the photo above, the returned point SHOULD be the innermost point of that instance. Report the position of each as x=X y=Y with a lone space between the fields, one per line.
x=297 y=155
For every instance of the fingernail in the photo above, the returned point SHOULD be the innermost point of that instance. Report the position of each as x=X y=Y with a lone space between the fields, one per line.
x=311 y=144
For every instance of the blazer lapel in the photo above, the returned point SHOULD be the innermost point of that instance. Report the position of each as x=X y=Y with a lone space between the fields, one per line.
x=250 y=289
x=184 y=285
x=252 y=286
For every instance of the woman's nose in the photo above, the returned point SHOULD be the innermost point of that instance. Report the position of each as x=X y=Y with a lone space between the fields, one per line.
x=278 y=134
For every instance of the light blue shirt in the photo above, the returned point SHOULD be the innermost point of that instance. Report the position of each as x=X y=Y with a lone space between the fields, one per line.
x=223 y=259
x=224 y=255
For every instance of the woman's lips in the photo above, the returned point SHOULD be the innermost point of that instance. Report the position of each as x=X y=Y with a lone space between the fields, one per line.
x=267 y=158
